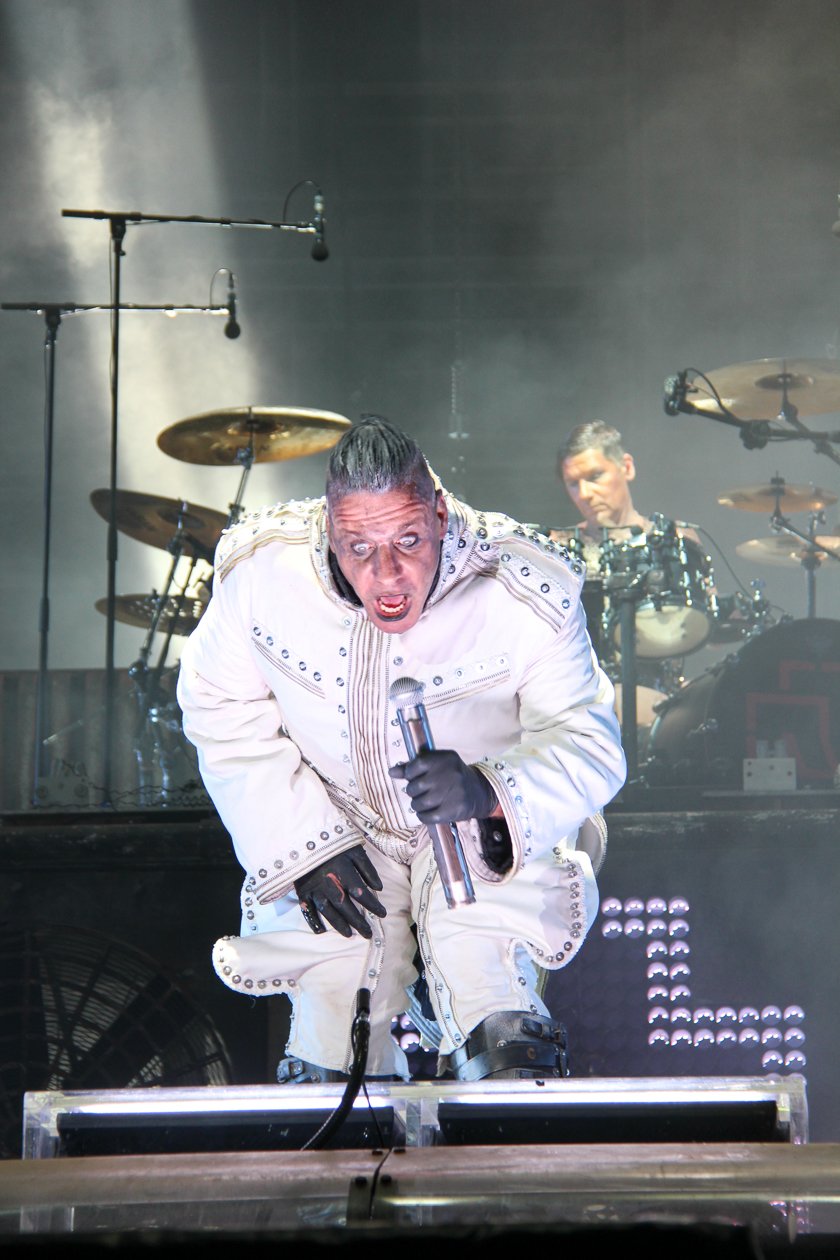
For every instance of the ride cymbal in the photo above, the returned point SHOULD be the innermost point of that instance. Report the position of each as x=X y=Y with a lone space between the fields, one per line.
x=787 y=551
x=758 y=389
x=777 y=494
x=267 y=433
x=156 y=521
x=139 y=610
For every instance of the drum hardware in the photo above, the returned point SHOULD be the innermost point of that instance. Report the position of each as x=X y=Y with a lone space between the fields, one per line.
x=753 y=387
x=784 y=551
x=778 y=695
x=249 y=435
x=196 y=530
x=762 y=388
x=769 y=497
x=675 y=614
x=252 y=434
x=170 y=524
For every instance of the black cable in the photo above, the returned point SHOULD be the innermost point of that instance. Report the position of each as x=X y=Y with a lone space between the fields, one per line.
x=360 y=1039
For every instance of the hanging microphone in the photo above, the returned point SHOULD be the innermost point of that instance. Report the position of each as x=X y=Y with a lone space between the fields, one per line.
x=675 y=390
x=319 y=249
x=232 y=329
x=446 y=843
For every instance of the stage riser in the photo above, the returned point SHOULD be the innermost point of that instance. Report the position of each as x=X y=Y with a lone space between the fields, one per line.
x=762 y=930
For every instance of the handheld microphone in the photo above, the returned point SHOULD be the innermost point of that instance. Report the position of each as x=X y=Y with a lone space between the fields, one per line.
x=675 y=390
x=319 y=249
x=446 y=843
x=232 y=329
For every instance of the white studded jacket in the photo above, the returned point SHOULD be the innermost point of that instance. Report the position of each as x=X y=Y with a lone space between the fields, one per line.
x=284 y=687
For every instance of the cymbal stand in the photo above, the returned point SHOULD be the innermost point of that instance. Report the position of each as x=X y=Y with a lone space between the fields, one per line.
x=147 y=684
x=811 y=558
x=245 y=458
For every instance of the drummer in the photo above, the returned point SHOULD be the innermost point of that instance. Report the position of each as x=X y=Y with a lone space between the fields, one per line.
x=597 y=473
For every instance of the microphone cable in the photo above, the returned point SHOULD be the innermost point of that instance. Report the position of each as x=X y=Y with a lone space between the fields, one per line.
x=360 y=1041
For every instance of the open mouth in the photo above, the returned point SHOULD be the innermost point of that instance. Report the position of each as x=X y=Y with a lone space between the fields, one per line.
x=390 y=607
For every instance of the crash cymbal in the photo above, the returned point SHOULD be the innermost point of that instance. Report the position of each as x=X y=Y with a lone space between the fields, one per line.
x=757 y=390
x=139 y=610
x=271 y=433
x=787 y=551
x=777 y=493
x=155 y=521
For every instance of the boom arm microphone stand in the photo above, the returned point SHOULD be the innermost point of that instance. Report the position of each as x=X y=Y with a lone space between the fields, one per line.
x=119 y=221
x=52 y=312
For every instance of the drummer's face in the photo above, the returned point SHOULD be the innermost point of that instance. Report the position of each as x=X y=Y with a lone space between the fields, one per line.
x=599 y=487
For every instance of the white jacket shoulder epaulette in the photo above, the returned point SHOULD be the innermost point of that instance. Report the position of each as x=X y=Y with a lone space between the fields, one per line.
x=534 y=568
x=282 y=522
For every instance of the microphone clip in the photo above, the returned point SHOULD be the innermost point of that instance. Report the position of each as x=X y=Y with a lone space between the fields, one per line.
x=676 y=388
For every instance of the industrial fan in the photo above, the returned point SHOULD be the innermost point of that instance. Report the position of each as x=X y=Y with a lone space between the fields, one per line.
x=79 y=1010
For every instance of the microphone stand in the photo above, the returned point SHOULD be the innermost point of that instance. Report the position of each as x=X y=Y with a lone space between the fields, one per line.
x=119 y=220
x=52 y=312
x=627 y=597
x=52 y=317
x=755 y=434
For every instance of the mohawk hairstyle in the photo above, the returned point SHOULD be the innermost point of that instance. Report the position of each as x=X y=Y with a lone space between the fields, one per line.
x=374 y=455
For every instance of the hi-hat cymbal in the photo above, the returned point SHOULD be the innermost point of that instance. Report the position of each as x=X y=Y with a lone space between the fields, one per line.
x=139 y=610
x=785 y=550
x=777 y=494
x=156 y=521
x=268 y=433
x=757 y=390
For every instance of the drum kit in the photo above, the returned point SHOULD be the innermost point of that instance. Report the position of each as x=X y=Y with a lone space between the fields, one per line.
x=778 y=695
x=667 y=585
x=651 y=599
x=238 y=437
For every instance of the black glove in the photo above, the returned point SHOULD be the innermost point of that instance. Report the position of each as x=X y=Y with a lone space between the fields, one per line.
x=443 y=788
x=330 y=888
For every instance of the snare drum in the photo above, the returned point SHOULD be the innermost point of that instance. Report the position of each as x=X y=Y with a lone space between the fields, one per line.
x=674 y=591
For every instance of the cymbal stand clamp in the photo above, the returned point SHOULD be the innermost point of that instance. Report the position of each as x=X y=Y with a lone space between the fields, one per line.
x=244 y=457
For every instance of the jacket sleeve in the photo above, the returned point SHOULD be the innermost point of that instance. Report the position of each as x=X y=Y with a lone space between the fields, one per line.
x=275 y=807
x=569 y=762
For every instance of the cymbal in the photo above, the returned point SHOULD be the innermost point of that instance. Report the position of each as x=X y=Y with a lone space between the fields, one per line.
x=271 y=433
x=139 y=610
x=785 y=550
x=788 y=498
x=756 y=390
x=155 y=521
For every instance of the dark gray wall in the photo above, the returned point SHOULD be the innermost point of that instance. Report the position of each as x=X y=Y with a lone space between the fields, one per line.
x=535 y=213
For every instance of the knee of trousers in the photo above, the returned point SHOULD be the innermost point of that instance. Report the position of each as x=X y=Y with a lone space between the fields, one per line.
x=511 y=1044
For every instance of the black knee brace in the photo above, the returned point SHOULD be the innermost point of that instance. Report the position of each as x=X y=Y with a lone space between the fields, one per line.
x=512 y=1044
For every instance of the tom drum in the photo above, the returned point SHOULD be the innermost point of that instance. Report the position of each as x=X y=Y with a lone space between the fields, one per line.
x=673 y=592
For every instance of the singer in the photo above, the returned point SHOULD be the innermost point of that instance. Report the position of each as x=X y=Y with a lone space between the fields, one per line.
x=287 y=691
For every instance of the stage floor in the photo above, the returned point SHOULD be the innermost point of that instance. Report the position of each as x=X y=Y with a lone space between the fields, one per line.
x=439 y=1158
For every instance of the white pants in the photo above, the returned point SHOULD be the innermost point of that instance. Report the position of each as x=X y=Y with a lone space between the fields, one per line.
x=478 y=958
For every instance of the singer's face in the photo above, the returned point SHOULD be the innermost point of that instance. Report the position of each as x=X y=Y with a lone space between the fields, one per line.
x=599 y=487
x=388 y=547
